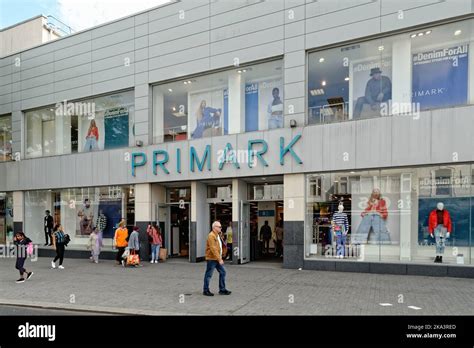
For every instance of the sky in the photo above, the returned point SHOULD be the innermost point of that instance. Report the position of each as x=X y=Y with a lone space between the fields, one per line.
x=78 y=14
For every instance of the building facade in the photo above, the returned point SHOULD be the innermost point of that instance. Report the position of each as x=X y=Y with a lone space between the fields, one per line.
x=347 y=122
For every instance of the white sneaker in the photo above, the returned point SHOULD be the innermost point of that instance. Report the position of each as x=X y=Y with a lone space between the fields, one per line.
x=61 y=267
x=156 y=261
x=96 y=261
x=151 y=261
x=53 y=265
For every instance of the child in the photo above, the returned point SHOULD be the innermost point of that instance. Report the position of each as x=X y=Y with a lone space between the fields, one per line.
x=21 y=242
x=95 y=245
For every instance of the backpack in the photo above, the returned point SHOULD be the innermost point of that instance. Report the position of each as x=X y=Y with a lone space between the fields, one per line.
x=67 y=239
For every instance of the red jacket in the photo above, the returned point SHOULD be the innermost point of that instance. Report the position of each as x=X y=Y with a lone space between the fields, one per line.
x=433 y=220
x=380 y=207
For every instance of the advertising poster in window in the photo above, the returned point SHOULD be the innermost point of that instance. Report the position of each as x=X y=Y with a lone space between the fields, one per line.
x=370 y=87
x=226 y=111
x=440 y=77
x=205 y=113
x=116 y=123
x=93 y=132
x=271 y=104
x=375 y=214
x=251 y=107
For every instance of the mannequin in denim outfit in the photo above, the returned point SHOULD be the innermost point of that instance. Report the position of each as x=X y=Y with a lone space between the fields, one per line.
x=373 y=220
x=340 y=228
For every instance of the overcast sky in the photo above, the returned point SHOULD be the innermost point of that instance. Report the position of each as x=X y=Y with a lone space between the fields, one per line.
x=78 y=14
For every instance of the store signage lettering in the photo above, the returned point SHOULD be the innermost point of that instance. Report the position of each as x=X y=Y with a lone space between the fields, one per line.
x=201 y=160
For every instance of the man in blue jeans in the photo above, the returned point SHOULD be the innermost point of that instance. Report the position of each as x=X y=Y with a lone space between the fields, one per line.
x=214 y=252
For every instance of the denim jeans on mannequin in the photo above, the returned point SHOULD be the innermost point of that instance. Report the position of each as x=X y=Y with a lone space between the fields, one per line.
x=91 y=144
x=379 y=233
x=339 y=233
x=440 y=237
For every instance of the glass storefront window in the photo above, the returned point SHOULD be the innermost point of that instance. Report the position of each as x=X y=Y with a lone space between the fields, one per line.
x=402 y=74
x=6 y=217
x=5 y=138
x=258 y=192
x=242 y=99
x=392 y=215
x=179 y=194
x=89 y=125
x=219 y=192
x=77 y=209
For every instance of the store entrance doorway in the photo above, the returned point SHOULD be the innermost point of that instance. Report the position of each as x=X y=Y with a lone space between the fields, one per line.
x=220 y=212
x=266 y=231
x=179 y=230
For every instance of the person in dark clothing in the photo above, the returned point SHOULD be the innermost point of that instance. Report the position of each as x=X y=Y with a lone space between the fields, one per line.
x=48 y=228
x=58 y=245
x=377 y=90
x=21 y=242
x=266 y=235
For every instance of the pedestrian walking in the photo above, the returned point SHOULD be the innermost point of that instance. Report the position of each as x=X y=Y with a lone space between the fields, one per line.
x=21 y=243
x=134 y=244
x=58 y=245
x=95 y=245
x=266 y=235
x=120 y=240
x=215 y=248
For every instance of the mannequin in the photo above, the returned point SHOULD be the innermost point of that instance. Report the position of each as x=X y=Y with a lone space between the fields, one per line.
x=340 y=228
x=440 y=227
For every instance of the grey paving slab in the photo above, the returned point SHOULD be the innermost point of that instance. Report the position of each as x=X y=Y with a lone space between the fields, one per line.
x=174 y=288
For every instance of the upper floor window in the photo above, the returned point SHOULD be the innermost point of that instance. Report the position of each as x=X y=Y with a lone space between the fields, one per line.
x=89 y=125
x=403 y=74
x=5 y=138
x=243 y=99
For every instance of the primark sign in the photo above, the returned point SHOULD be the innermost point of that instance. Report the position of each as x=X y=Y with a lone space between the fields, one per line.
x=254 y=154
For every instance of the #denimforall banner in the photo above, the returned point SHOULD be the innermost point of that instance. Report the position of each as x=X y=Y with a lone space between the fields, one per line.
x=440 y=77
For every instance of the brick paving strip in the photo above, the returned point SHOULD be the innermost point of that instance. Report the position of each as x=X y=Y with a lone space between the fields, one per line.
x=174 y=288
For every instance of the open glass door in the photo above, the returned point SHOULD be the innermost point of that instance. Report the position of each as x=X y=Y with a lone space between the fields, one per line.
x=244 y=232
x=161 y=214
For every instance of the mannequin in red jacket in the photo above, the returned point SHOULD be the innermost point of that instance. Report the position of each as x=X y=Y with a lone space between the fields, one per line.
x=440 y=227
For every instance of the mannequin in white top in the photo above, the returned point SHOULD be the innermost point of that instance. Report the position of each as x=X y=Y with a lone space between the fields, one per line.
x=340 y=228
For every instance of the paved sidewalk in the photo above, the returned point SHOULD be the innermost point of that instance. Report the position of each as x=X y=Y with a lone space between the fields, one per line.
x=174 y=288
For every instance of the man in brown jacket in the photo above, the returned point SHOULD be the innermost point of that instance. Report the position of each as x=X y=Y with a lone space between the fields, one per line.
x=215 y=248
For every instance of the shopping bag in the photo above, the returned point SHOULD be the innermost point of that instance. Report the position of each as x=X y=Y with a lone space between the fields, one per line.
x=133 y=260
x=29 y=249
x=163 y=254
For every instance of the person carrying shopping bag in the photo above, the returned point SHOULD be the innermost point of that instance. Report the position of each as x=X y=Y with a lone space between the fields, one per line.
x=22 y=243
x=134 y=246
